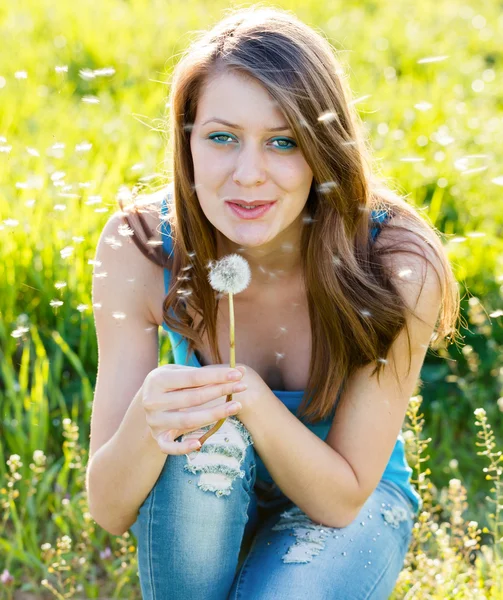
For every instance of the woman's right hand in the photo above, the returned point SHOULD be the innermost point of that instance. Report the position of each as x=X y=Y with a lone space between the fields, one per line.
x=178 y=399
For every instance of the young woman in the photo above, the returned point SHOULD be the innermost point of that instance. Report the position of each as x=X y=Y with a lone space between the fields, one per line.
x=305 y=489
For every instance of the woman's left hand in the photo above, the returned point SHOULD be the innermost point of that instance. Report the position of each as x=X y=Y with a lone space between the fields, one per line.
x=256 y=392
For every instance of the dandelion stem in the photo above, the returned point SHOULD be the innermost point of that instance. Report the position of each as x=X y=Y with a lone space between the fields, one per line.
x=232 y=364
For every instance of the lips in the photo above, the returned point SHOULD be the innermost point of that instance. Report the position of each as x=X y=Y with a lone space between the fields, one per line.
x=254 y=203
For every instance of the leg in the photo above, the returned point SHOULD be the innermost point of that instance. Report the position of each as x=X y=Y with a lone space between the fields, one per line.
x=293 y=558
x=191 y=526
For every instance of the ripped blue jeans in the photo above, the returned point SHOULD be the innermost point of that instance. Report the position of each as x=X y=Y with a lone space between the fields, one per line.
x=210 y=529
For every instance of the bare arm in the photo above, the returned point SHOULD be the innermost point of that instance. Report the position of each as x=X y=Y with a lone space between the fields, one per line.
x=124 y=459
x=123 y=471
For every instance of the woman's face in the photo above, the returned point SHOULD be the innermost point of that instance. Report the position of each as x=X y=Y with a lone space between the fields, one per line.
x=243 y=159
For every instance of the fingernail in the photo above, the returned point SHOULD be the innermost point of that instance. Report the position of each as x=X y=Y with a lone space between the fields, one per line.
x=234 y=375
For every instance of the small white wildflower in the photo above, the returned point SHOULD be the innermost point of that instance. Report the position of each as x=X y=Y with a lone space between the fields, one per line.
x=231 y=274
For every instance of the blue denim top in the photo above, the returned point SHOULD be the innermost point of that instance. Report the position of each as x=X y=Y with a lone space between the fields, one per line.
x=397 y=470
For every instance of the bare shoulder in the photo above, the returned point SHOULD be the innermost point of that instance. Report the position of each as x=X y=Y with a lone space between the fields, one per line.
x=124 y=260
x=415 y=256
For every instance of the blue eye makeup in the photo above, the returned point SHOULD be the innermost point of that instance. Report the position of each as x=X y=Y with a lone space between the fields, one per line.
x=292 y=145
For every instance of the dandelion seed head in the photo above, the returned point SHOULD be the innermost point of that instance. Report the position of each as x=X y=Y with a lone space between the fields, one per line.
x=231 y=274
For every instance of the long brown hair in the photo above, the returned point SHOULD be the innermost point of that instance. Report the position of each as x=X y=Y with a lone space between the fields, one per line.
x=298 y=68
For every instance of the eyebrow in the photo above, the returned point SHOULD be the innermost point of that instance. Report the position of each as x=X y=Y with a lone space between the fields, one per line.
x=234 y=126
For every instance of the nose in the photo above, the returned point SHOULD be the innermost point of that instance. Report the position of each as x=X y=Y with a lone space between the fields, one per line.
x=250 y=166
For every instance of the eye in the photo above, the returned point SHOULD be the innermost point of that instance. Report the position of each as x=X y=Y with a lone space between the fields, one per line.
x=291 y=143
x=214 y=136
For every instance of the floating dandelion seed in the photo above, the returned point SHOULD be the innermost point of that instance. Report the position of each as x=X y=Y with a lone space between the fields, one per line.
x=56 y=303
x=101 y=210
x=119 y=315
x=327 y=117
x=90 y=99
x=229 y=275
x=113 y=242
x=100 y=275
x=365 y=313
x=57 y=175
x=279 y=356
x=125 y=230
x=326 y=186
x=404 y=273
x=21 y=75
x=67 y=251
x=94 y=262
x=61 y=69
x=17 y=333
x=32 y=152
x=308 y=220
x=431 y=59
x=93 y=200
x=358 y=100
x=282 y=330
x=423 y=106
x=82 y=307
x=336 y=261
x=78 y=239
x=83 y=147
x=60 y=284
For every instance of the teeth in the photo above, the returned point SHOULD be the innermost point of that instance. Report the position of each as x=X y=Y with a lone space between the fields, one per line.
x=247 y=207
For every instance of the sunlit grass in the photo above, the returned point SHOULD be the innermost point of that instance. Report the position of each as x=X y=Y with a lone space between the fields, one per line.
x=82 y=94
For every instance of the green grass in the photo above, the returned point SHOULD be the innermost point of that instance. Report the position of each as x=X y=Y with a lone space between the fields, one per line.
x=56 y=195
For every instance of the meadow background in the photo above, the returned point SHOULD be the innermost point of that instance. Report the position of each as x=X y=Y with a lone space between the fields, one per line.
x=83 y=89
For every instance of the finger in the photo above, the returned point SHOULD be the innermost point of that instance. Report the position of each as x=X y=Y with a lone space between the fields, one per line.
x=170 y=446
x=177 y=448
x=187 y=397
x=184 y=421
